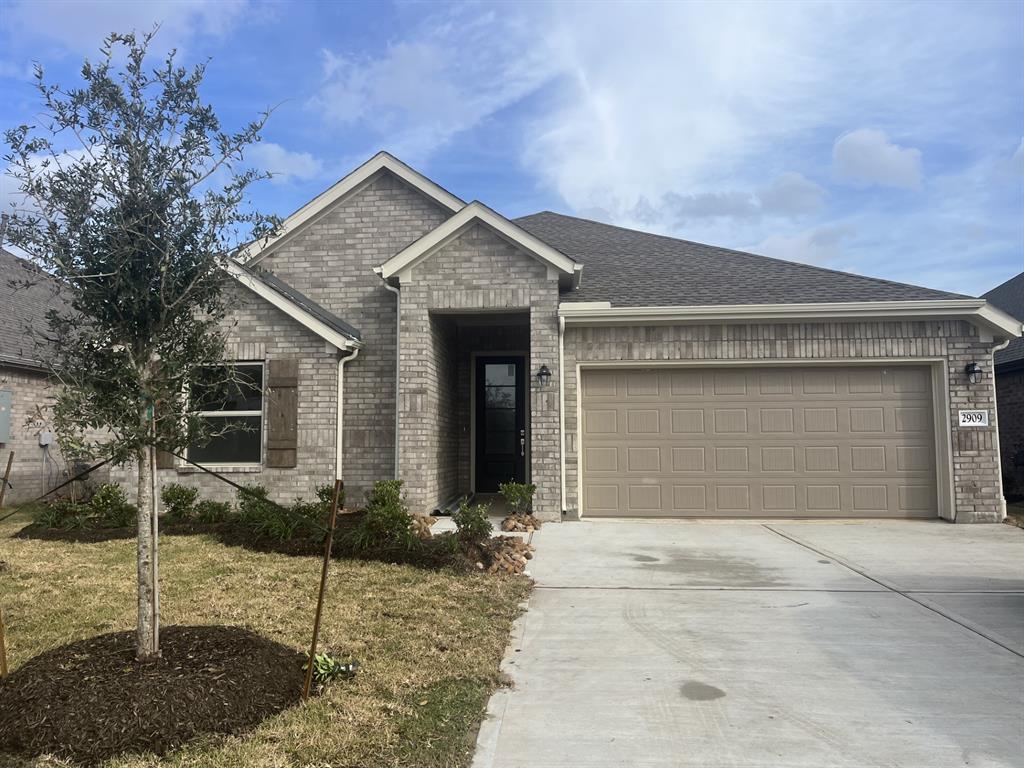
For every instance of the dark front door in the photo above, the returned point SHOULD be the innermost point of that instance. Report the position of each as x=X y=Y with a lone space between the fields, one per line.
x=500 y=421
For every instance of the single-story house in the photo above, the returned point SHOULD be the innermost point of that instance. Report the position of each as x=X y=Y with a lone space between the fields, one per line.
x=26 y=391
x=400 y=331
x=1009 y=369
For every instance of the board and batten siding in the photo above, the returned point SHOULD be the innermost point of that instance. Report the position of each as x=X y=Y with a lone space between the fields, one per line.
x=976 y=491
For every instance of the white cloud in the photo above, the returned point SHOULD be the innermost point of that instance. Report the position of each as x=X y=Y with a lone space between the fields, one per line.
x=791 y=194
x=867 y=156
x=286 y=166
x=81 y=26
x=15 y=71
x=1017 y=162
x=461 y=67
x=821 y=245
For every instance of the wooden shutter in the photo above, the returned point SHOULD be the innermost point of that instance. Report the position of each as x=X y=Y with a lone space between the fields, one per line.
x=282 y=394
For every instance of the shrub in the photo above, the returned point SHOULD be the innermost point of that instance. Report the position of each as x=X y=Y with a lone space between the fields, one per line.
x=253 y=505
x=210 y=511
x=110 y=508
x=325 y=494
x=386 y=524
x=56 y=513
x=179 y=502
x=518 y=497
x=472 y=522
x=326 y=668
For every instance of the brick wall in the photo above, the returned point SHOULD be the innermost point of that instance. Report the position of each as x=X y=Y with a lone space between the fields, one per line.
x=332 y=262
x=259 y=331
x=476 y=271
x=1010 y=396
x=34 y=471
x=977 y=495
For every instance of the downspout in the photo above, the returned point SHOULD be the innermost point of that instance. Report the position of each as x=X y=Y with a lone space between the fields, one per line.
x=999 y=448
x=561 y=409
x=398 y=362
x=339 y=434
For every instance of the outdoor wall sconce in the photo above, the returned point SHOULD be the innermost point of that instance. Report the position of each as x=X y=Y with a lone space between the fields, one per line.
x=544 y=375
x=974 y=372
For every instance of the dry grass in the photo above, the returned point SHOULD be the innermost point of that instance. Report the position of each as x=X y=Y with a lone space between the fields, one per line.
x=429 y=642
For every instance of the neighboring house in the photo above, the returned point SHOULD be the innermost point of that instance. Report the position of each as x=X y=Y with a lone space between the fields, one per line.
x=1009 y=368
x=624 y=373
x=26 y=295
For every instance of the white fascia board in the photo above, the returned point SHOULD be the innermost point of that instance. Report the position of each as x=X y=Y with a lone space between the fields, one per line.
x=977 y=311
x=358 y=177
x=294 y=311
x=476 y=211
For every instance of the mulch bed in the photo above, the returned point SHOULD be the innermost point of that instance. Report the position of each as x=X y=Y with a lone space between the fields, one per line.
x=91 y=700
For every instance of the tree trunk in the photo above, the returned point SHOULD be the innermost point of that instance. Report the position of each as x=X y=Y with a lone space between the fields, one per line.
x=147 y=645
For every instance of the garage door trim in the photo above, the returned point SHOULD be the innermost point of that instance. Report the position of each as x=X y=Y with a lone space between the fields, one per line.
x=938 y=366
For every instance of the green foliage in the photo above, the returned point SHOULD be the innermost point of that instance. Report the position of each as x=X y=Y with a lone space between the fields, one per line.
x=179 y=502
x=109 y=507
x=267 y=519
x=472 y=522
x=326 y=668
x=209 y=511
x=518 y=497
x=134 y=199
x=325 y=495
x=253 y=505
x=386 y=523
x=56 y=514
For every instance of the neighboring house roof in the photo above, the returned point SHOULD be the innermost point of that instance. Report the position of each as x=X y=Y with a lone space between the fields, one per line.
x=382 y=161
x=1009 y=297
x=297 y=305
x=636 y=269
x=477 y=212
x=27 y=294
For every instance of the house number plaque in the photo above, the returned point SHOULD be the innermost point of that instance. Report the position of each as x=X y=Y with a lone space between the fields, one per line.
x=973 y=418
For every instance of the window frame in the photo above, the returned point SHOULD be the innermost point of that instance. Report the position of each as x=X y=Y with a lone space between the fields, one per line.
x=262 y=366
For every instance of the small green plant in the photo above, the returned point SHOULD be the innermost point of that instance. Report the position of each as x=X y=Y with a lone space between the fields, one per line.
x=179 y=502
x=386 y=524
x=210 y=511
x=518 y=497
x=472 y=522
x=109 y=507
x=253 y=505
x=56 y=513
x=326 y=668
x=325 y=495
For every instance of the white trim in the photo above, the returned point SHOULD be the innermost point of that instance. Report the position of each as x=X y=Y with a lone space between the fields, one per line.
x=476 y=211
x=382 y=161
x=290 y=308
x=945 y=498
x=977 y=311
x=339 y=435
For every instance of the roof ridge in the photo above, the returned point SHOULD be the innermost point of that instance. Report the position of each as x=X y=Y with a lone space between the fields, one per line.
x=745 y=254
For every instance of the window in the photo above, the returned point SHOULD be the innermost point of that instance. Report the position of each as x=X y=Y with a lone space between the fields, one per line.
x=230 y=401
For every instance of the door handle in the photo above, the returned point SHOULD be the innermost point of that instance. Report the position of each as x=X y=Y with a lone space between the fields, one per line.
x=522 y=446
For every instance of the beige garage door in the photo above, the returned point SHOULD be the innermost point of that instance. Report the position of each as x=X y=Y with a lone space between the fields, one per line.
x=805 y=442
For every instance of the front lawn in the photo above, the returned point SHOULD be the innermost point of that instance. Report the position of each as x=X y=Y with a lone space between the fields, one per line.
x=429 y=642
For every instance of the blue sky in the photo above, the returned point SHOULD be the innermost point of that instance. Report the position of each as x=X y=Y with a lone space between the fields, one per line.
x=881 y=138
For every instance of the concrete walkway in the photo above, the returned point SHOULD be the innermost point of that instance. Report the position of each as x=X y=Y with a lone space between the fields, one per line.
x=784 y=644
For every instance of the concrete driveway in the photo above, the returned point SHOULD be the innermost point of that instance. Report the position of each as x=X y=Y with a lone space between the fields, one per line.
x=812 y=644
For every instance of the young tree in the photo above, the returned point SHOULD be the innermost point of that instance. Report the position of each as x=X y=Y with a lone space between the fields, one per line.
x=134 y=203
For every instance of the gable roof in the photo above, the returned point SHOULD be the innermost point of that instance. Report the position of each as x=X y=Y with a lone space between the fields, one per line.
x=27 y=294
x=636 y=269
x=1009 y=297
x=380 y=162
x=296 y=305
x=476 y=212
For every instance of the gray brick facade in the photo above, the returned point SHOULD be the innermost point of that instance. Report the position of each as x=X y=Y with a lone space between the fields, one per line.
x=975 y=463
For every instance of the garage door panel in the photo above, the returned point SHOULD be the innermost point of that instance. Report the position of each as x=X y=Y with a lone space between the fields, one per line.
x=827 y=442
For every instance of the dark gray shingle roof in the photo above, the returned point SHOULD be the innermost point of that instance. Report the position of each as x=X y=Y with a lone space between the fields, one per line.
x=638 y=269
x=1009 y=297
x=27 y=294
x=328 y=318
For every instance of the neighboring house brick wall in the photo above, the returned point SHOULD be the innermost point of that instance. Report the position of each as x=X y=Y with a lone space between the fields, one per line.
x=1010 y=396
x=31 y=473
x=976 y=482
x=256 y=330
x=476 y=271
x=331 y=261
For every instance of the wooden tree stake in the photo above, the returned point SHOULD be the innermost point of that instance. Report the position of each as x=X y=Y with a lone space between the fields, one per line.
x=339 y=485
x=7 y=477
x=3 y=647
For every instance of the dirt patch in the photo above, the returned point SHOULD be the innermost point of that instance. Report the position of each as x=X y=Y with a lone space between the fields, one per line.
x=90 y=700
